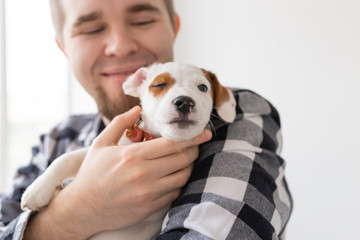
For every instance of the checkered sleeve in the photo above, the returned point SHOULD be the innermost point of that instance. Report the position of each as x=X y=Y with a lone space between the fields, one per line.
x=73 y=133
x=237 y=189
x=12 y=219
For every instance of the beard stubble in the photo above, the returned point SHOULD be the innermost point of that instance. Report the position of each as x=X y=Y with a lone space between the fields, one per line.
x=110 y=108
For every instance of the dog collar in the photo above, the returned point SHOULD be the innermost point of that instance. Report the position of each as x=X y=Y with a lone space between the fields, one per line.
x=136 y=134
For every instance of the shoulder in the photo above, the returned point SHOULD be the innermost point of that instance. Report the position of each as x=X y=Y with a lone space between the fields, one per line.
x=74 y=132
x=250 y=103
x=73 y=126
x=257 y=123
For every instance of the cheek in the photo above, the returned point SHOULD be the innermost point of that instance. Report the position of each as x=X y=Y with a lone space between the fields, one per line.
x=157 y=109
x=82 y=56
x=205 y=103
x=161 y=45
x=165 y=53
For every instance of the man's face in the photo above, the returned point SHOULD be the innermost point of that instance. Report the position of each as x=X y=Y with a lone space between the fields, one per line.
x=108 y=40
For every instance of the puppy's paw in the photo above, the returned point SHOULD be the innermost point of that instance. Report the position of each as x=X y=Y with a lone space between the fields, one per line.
x=37 y=196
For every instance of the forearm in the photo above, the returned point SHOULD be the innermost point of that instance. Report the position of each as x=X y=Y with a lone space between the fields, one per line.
x=40 y=226
x=14 y=222
x=62 y=219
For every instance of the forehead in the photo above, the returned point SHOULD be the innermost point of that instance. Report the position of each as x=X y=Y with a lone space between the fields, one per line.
x=121 y=5
x=182 y=73
x=75 y=10
x=176 y=78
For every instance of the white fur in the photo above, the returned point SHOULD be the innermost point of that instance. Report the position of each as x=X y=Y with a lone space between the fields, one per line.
x=227 y=110
x=160 y=111
x=157 y=113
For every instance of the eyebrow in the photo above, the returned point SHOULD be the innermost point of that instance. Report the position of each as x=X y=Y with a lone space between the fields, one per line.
x=143 y=7
x=87 y=18
x=133 y=9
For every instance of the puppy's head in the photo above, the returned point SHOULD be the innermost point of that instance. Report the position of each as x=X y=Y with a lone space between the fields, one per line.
x=177 y=99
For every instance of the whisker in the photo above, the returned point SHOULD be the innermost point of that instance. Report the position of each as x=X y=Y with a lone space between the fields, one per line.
x=212 y=127
x=215 y=116
x=180 y=148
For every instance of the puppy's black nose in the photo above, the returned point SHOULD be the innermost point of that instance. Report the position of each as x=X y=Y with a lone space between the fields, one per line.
x=184 y=104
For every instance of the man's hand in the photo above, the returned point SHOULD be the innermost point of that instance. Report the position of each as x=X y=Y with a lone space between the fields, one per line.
x=118 y=186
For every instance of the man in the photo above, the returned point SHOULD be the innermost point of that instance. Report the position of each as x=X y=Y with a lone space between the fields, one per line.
x=236 y=189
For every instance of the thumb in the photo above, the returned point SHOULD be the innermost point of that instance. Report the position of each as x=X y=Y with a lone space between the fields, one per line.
x=114 y=131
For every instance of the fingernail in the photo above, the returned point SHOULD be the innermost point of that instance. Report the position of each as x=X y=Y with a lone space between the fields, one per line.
x=206 y=135
x=133 y=109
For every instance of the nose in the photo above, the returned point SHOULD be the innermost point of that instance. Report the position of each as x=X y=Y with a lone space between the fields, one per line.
x=120 y=43
x=184 y=104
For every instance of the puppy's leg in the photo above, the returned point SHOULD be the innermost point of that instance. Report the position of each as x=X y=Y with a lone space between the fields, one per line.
x=42 y=190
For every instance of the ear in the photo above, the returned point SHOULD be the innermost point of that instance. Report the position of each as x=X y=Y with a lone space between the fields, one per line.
x=133 y=82
x=177 y=24
x=223 y=99
x=58 y=43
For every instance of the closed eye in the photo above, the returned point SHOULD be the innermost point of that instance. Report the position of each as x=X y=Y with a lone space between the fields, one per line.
x=93 y=31
x=159 y=85
x=142 y=23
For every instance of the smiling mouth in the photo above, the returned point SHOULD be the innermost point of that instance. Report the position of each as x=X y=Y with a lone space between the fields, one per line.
x=119 y=73
x=123 y=71
x=182 y=123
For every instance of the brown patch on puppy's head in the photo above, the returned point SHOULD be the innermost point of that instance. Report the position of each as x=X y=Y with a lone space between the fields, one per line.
x=223 y=99
x=218 y=92
x=161 y=84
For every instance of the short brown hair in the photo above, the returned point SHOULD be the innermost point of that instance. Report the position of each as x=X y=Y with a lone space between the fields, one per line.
x=170 y=9
x=57 y=15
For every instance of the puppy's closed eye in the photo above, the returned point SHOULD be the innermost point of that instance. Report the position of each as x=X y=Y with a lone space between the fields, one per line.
x=159 y=85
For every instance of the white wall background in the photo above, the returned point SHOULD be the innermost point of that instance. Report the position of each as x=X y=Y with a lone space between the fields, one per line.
x=303 y=56
x=35 y=93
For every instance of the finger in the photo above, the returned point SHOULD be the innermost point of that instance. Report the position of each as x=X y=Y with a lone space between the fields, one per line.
x=114 y=131
x=174 y=162
x=174 y=181
x=164 y=200
x=161 y=147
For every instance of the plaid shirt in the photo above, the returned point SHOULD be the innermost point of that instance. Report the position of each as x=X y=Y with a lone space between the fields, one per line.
x=237 y=189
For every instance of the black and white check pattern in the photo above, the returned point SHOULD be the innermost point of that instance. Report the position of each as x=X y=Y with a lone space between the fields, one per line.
x=237 y=189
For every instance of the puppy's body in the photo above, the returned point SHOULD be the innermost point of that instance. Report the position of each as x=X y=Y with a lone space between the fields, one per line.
x=177 y=100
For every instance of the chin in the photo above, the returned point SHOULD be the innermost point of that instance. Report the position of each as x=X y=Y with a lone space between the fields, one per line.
x=180 y=133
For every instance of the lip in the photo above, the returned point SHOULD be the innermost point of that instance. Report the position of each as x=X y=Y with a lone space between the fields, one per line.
x=120 y=73
x=120 y=70
x=182 y=122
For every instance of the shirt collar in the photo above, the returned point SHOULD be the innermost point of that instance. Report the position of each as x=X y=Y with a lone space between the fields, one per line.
x=89 y=132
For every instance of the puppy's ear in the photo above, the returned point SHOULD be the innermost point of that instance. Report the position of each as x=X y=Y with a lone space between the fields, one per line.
x=223 y=99
x=133 y=82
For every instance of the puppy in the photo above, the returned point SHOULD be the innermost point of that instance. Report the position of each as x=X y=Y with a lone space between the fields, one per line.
x=177 y=100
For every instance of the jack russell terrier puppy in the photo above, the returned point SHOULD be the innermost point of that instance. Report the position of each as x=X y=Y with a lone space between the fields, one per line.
x=177 y=100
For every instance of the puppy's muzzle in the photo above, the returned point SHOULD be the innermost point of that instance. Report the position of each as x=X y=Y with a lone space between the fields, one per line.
x=184 y=105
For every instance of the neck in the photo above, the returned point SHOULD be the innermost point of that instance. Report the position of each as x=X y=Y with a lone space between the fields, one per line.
x=105 y=120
